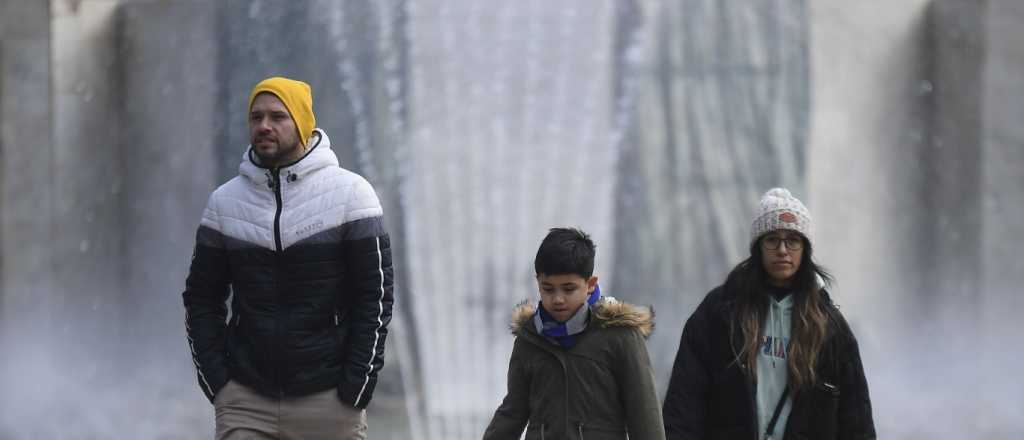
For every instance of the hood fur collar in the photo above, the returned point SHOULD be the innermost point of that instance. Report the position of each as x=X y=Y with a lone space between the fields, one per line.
x=608 y=312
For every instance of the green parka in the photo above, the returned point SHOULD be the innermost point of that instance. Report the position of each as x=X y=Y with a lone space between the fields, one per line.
x=601 y=388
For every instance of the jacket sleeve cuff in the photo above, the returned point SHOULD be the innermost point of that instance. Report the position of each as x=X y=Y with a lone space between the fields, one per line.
x=211 y=386
x=356 y=395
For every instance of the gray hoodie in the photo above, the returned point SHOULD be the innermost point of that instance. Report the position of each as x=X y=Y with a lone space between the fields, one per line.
x=771 y=365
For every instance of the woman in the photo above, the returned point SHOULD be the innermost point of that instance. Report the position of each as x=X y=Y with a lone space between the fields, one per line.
x=767 y=354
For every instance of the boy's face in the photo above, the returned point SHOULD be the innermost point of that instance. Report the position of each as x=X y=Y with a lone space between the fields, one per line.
x=561 y=295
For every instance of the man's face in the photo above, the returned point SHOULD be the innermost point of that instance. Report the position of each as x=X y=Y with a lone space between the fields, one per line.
x=562 y=295
x=272 y=131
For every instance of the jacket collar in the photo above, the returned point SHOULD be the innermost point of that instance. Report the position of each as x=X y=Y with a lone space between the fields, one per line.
x=319 y=155
x=607 y=312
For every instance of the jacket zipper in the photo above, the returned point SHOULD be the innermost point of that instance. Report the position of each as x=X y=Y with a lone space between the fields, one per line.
x=749 y=385
x=275 y=176
x=565 y=373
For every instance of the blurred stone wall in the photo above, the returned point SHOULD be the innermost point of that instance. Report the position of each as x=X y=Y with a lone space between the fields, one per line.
x=1002 y=174
x=868 y=169
x=1002 y=202
x=166 y=65
x=89 y=176
x=27 y=187
x=979 y=268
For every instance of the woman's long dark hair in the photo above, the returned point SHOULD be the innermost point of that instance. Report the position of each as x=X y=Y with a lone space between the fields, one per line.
x=810 y=318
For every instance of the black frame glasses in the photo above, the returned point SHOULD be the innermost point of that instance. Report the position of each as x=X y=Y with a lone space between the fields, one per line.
x=772 y=242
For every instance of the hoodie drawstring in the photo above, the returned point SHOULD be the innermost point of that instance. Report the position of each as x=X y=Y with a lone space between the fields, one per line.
x=775 y=329
x=778 y=342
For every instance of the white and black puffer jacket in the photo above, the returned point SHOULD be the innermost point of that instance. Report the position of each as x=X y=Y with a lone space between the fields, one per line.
x=304 y=251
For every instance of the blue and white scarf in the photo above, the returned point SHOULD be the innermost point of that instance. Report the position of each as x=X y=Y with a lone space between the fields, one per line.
x=564 y=333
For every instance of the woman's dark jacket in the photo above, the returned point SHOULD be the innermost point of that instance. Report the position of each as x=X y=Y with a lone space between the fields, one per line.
x=710 y=396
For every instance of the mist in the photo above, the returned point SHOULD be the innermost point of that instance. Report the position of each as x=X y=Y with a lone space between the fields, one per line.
x=653 y=125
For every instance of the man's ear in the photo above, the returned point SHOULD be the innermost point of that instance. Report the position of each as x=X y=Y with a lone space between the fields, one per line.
x=591 y=284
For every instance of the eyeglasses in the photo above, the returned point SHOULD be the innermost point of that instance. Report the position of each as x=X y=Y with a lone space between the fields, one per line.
x=772 y=242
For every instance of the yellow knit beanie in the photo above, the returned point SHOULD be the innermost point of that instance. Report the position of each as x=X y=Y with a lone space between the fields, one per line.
x=297 y=96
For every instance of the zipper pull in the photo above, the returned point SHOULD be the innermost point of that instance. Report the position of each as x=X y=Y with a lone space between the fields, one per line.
x=274 y=181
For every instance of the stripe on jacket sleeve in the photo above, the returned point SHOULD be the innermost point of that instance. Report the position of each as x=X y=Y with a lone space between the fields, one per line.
x=195 y=356
x=380 y=323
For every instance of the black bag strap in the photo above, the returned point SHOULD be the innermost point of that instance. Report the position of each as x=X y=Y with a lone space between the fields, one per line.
x=775 y=416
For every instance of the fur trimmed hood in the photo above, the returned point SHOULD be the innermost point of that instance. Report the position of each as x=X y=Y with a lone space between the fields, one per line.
x=608 y=312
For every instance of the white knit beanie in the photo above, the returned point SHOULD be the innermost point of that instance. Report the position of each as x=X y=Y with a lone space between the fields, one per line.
x=780 y=210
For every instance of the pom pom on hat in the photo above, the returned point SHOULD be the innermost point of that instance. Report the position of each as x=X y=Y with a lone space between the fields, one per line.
x=780 y=210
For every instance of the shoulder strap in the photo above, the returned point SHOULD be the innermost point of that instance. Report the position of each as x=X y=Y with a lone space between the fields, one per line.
x=775 y=416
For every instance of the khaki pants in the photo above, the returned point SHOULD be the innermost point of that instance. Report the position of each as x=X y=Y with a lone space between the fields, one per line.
x=242 y=414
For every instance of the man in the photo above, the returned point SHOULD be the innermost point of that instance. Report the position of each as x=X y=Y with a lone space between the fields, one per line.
x=299 y=243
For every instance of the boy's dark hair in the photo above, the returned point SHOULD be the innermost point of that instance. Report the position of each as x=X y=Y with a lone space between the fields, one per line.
x=565 y=251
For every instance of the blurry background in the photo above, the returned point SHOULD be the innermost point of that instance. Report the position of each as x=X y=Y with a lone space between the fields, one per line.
x=655 y=125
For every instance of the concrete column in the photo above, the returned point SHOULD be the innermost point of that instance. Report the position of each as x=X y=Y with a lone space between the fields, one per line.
x=1002 y=175
x=868 y=182
x=1001 y=204
x=27 y=323
x=916 y=188
x=721 y=115
x=3 y=286
x=509 y=136
x=977 y=203
x=954 y=159
x=169 y=88
x=166 y=72
x=869 y=140
x=87 y=248
x=26 y=180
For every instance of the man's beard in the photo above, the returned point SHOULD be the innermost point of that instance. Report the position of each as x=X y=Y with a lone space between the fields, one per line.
x=280 y=156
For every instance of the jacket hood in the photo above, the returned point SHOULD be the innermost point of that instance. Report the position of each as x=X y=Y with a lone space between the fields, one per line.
x=608 y=312
x=318 y=155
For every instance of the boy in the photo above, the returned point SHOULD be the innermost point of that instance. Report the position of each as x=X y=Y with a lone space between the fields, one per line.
x=579 y=366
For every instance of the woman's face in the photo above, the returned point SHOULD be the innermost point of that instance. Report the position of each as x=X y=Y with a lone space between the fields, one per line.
x=781 y=253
